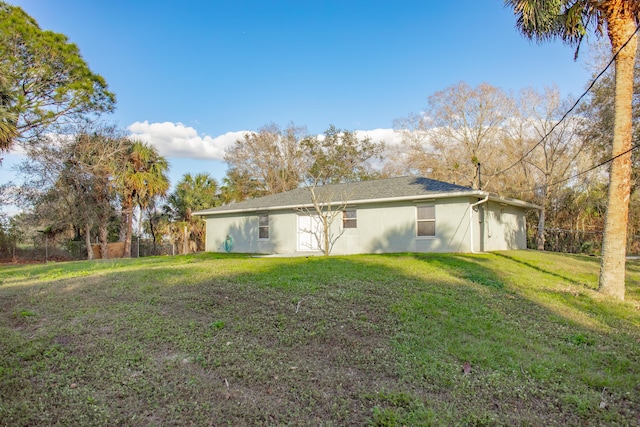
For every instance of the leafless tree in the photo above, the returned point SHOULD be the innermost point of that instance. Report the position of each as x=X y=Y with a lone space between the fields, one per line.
x=327 y=204
x=461 y=127
x=556 y=147
x=272 y=156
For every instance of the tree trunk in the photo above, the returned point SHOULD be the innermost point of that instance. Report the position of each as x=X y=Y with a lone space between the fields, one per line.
x=540 y=233
x=103 y=234
x=153 y=232
x=327 y=231
x=129 y=231
x=87 y=240
x=612 y=267
x=122 y=235
x=542 y=216
x=185 y=242
x=126 y=223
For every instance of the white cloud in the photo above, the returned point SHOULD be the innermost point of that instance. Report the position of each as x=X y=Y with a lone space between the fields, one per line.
x=178 y=140
x=389 y=136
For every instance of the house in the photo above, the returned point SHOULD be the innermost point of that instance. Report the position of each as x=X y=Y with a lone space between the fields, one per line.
x=407 y=214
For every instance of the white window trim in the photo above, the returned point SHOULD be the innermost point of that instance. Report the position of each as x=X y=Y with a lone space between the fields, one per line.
x=426 y=220
x=268 y=227
x=345 y=220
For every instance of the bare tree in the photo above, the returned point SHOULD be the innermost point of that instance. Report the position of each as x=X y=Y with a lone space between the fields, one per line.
x=558 y=147
x=327 y=204
x=272 y=156
x=461 y=127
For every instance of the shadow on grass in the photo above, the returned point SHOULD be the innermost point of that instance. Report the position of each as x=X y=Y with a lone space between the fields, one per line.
x=465 y=267
x=542 y=270
x=341 y=340
x=581 y=273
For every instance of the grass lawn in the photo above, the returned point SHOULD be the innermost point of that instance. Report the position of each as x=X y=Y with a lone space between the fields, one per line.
x=513 y=338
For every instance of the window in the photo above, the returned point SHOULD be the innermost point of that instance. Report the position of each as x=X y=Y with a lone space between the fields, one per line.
x=349 y=218
x=426 y=218
x=263 y=227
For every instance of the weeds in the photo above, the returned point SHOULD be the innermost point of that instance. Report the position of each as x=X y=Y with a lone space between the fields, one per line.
x=512 y=339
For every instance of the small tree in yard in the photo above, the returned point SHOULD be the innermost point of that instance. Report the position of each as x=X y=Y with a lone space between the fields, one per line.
x=327 y=205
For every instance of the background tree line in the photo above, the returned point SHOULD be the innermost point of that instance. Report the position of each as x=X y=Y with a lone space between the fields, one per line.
x=88 y=181
x=88 y=184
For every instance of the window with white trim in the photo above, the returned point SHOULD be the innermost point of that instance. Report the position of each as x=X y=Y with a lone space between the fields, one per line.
x=349 y=218
x=426 y=221
x=263 y=227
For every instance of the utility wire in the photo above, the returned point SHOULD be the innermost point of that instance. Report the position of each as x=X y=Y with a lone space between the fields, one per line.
x=582 y=172
x=613 y=58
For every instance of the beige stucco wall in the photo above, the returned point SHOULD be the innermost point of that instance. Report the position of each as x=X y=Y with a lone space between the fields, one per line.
x=505 y=228
x=381 y=228
x=243 y=230
x=392 y=228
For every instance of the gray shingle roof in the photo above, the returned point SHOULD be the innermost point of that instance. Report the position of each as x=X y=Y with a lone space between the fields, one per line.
x=408 y=186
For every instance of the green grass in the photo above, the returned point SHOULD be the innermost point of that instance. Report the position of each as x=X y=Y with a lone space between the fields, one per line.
x=361 y=340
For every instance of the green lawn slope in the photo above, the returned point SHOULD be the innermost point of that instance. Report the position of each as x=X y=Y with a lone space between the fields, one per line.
x=512 y=338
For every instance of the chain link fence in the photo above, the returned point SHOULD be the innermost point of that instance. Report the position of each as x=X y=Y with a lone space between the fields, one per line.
x=556 y=240
x=76 y=250
x=577 y=241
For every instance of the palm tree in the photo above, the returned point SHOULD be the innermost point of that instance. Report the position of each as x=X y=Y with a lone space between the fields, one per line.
x=193 y=193
x=144 y=177
x=8 y=130
x=569 y=21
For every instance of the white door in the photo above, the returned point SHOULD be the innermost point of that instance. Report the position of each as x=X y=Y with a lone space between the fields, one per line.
x=309 y=231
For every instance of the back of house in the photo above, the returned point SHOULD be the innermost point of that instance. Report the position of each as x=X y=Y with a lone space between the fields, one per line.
x=406 y=214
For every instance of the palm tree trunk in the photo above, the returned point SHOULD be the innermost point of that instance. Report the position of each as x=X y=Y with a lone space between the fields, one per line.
x=123 y=223
x=126 y=223
x=129 y=232
x=152 y=230
x=612 y=267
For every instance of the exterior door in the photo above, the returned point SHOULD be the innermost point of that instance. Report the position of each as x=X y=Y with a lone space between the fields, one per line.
x=309 y=232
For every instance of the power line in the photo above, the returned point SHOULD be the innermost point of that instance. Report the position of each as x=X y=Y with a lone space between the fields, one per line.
x=633 y=147
x=572 y=107
x=584 y=171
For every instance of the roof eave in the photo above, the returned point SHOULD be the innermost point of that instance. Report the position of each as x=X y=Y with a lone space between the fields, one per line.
x=418 y=198
x=512 y=202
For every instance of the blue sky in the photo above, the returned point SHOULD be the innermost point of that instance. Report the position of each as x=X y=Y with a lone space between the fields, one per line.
x=191 y=76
